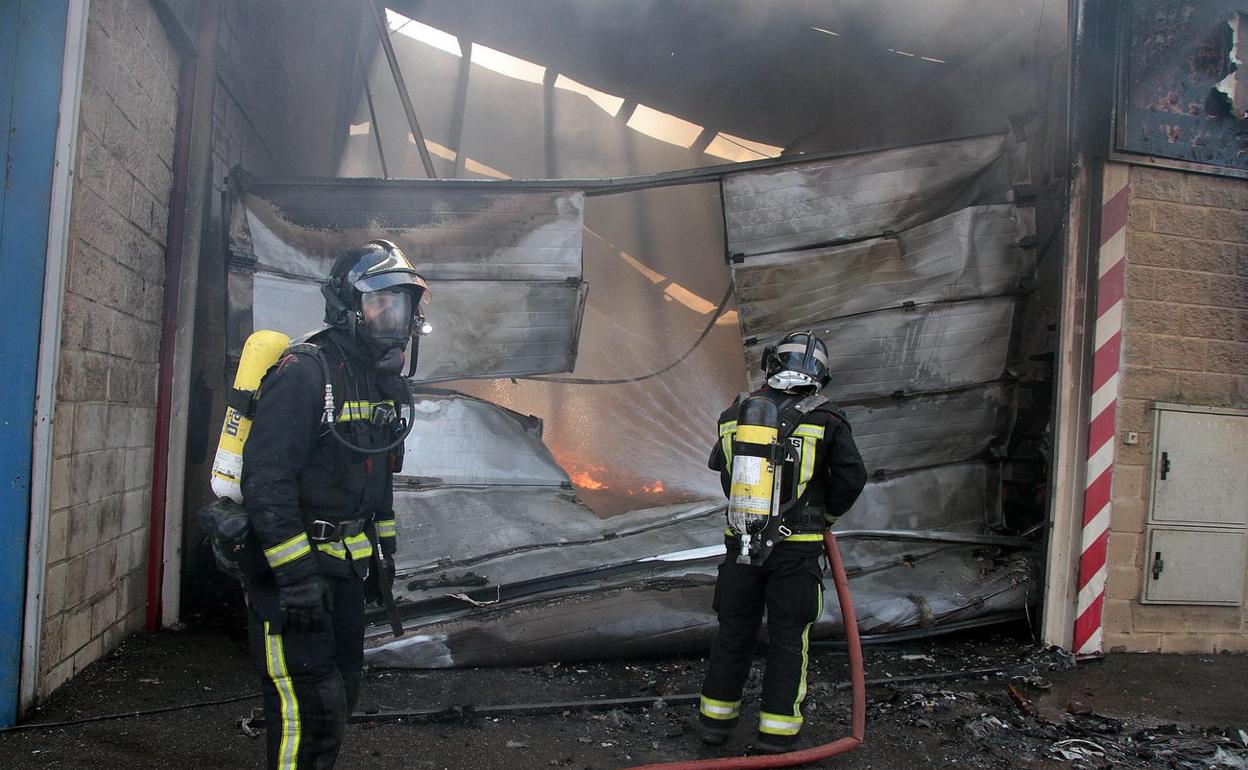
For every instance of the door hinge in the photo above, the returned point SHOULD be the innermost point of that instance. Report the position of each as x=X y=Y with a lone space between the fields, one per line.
x=1158 y=565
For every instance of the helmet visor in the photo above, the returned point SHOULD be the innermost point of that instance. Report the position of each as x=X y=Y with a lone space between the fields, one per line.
x=388 y=315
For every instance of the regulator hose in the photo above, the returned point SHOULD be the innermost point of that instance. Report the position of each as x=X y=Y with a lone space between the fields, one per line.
x=858 y=723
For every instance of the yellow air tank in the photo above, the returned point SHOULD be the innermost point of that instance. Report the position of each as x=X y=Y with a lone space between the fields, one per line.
x=261 y=351
x=754 y=496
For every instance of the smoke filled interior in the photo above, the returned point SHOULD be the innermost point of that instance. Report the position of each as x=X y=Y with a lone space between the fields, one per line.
x=587 y=338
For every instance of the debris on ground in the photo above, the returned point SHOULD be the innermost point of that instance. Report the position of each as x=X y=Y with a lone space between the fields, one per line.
x=983 y=700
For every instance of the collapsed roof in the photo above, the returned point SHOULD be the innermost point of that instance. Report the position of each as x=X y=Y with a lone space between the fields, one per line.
x=521 y=542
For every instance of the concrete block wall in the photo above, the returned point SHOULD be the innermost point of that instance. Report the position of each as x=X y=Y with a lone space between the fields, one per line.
x=1185 y=339
x=106 y=393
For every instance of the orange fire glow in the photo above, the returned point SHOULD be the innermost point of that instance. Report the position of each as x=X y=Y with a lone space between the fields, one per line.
x=596 y=477
x=583 y=480
x=651 y=489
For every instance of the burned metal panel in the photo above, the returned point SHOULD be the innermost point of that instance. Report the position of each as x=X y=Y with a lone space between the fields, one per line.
x=953 y=498
x=911 y=350
x=861 y=196
x=970 y=253
x=537 y=526
x=934 y=429
x=459 y=440
x=487 y=537
x=504 y=267
x=667 y=610
x=1176 y=55
x=452 y=233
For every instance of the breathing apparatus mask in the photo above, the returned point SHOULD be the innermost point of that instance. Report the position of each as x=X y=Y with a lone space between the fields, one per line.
x=376 y=296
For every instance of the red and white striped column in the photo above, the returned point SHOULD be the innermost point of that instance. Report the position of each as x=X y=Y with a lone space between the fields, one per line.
x=1106 y=365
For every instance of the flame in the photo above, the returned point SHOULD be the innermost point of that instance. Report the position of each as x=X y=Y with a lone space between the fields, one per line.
x=593 y=477
x=583 y=480
x=650 y=489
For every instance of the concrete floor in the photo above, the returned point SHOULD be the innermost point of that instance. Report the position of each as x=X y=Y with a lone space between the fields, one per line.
x=1099 y=714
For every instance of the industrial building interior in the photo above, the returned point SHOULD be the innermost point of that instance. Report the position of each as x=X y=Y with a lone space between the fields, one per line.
x=616 y=206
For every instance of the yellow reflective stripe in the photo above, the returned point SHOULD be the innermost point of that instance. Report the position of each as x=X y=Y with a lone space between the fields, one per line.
x=275 y=664
x=355 y=410
x=726 y=432
x=804 y=537
x=810 y=435
x=386 y=528
x=778 y=724
x=718 y=709
x=807 y=471
x=801 y=685
x=809 y=431
x=288 y=550
x=360 y=410
x=359 y=546
x=334 y=548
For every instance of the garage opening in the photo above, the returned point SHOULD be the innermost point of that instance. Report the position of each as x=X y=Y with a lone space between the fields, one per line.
x=616 y=230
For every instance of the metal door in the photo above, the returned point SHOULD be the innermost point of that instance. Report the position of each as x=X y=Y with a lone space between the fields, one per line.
x=32 y=43
x=1198 y=467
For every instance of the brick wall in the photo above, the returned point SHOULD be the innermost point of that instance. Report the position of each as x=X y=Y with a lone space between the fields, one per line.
x=1185 y=338
x=106 y=394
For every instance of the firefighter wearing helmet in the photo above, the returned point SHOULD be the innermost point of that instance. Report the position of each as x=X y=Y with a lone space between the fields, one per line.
x=325 y=440
x=788 y=462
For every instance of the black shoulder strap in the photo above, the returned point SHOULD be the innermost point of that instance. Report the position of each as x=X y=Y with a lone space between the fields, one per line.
x=303 y=348
x=793 y=413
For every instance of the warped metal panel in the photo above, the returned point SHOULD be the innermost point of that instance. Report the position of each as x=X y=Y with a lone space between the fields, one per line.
x=952 y=498
x=504 y=267
x=926 y=348
x=449 y=232
x=666 y=609
x=933 y=429
x=458 y=440
x=503 y=534
x=969 y=253
x=535 y=526
x=861 y=196
x=502 y=329
x=498 y=329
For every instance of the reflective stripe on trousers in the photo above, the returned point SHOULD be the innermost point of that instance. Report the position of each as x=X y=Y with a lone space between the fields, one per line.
x=275 y=664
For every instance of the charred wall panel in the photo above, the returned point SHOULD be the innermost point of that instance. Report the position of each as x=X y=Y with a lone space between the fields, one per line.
x=504 y=267
x=1182 y=94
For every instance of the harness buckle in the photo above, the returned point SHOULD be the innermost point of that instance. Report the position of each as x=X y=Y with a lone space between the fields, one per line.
x=783 y=531
x=321 y=531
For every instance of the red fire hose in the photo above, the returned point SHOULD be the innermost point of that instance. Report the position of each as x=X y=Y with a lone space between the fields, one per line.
x=858 y=724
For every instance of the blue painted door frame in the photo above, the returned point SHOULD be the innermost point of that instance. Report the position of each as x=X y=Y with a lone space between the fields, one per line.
x=32 y=45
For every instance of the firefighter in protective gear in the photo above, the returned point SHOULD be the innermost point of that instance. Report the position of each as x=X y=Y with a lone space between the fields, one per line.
x=319 y=501
x=817 y=487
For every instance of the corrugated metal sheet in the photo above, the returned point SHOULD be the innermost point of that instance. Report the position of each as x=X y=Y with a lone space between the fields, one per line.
x=451 y=233
x=934 y=429
x=664 y=608
x=861 y=196
x=504 y=267
x=931 y=347
x=966 y=254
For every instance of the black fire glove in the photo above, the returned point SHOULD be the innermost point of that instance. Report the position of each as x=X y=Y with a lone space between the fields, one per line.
x=372 y=586
x=305 y=605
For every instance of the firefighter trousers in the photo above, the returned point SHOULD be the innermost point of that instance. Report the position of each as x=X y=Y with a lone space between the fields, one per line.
x=310 y=681
x=789 y=587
